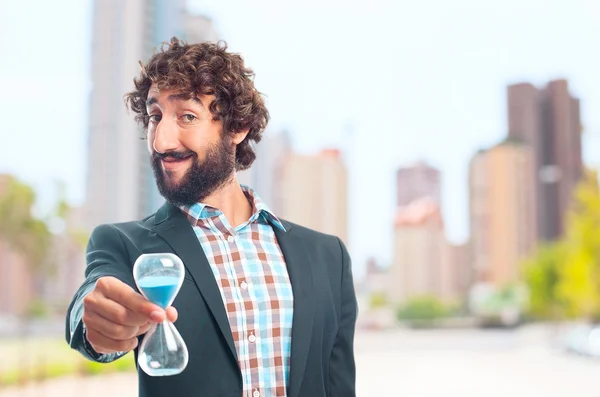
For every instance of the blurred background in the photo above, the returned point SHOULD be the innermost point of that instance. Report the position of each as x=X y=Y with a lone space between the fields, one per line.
x=453 y=145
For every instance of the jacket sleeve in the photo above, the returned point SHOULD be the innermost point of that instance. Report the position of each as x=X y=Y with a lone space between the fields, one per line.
x=342 y=370
x=106 y=256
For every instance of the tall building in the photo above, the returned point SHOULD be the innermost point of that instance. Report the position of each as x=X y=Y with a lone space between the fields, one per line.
x=419 y=252
x=315 y=192
x=375 y=280
x=502 y=211
x=417 y=181
x=456 y=273
x=17 y=284
x=199 y=28
x=424 y=262
x=548 y=120
x=120 y=183
x=266 y=174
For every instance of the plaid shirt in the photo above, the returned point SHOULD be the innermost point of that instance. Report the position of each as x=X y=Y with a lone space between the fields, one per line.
x=251 y=273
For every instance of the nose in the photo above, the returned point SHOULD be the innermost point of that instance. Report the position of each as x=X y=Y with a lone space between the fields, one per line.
x=164 y=138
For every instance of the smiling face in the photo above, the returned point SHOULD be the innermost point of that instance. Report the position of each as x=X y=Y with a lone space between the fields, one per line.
x=191 y=156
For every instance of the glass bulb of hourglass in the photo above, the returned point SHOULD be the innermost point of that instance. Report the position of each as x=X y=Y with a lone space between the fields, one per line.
x=159 y=277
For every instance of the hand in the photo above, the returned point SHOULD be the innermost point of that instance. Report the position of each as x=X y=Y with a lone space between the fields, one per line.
x=114 y=315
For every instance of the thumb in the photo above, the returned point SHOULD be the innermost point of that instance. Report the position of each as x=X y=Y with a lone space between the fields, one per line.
x=172 y=314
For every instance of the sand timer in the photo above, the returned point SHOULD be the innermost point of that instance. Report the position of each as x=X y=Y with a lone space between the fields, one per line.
x=159 y=277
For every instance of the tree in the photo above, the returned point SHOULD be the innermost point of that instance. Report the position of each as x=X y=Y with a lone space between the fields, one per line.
x=422 y=310
x=26 y=235
x=23 y=232
x=579 y=273
x=542 y=276
x=564 y=277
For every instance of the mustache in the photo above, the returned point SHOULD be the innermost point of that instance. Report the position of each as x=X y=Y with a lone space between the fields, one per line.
x=173 y=155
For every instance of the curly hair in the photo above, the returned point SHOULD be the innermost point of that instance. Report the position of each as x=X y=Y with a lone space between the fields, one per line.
x=206 y=69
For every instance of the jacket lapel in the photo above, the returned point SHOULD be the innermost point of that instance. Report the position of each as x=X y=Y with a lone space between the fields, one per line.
x=175 y=229
x=299 y=269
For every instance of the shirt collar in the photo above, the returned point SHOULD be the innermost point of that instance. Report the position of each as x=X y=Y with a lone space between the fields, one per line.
x=199 y=211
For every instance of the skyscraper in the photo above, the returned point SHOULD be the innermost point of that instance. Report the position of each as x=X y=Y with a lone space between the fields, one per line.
x=266 y=174
x=419 y=250
x=120 y=183
x=502 y=211
x=457 y=272
x=417 y=181
x=199 y=28
x=548 y=120
x=315 y=192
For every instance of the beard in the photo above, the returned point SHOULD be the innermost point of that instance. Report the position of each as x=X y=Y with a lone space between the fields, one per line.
x=202 y=178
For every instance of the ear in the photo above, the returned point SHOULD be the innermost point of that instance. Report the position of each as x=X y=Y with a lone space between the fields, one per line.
x=239 y=137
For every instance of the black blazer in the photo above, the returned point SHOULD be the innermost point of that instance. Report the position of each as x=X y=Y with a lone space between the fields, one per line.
x=325 y=308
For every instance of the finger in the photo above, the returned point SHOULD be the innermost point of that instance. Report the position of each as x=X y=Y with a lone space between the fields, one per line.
x=113 y=311
x=125 y=295
x=144 y=328
x=108 y=328
x=105 y=345
x=172 y=314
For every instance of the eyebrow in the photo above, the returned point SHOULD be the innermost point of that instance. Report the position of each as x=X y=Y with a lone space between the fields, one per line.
x=173 y=97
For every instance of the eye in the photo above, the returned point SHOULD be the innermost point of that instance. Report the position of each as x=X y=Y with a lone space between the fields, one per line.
x=189 y=118
x=154 y=118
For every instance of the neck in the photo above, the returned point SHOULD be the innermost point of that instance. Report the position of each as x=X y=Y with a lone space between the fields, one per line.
x=232 y=201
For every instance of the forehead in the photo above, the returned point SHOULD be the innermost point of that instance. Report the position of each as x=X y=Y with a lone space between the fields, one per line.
x=155 y=92
x=153 y=89
x=169 y=96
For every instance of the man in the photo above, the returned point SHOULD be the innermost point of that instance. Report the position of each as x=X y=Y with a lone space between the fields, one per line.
x=267 y=307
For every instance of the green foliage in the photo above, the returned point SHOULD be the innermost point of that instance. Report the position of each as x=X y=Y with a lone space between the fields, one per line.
x=378 y=300
x=79 y=237
x=508 y=296
x=50 y=358
x=55 y=370
x=564 y=278
x=37 y=308
x=30 y=236
x=579 y=275
x=123 y=364
x=542 y=277
x=93 y=368
x=23 y=232
x=424 y=308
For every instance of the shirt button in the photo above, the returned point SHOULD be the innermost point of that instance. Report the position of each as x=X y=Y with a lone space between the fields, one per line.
x=256 y=393
x=244 y=285
x=231 y=239
x=252 y=338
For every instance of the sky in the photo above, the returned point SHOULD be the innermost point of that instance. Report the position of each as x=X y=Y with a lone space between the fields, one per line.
x=389 y=82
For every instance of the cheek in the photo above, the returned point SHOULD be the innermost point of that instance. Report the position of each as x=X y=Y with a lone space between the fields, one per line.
x=198 y=143
x=150 y=141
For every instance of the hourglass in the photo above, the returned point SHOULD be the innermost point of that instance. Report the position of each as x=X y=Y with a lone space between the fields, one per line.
x=159 y=277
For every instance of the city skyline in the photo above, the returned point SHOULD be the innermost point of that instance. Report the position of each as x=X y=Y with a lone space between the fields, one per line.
x=549 y=122
x=444 y=82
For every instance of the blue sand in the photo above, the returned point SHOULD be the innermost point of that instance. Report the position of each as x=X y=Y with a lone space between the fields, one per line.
x=159 y=289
